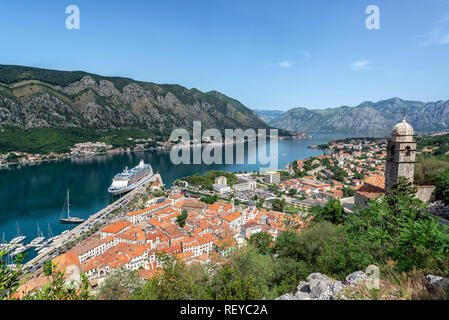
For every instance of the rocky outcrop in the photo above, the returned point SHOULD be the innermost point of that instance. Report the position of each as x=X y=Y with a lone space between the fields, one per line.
x=354 y=278
x=320 y=287
x=439 y=209
x=437 y=283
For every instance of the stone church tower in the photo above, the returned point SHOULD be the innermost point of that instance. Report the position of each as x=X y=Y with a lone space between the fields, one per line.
x=401 y=154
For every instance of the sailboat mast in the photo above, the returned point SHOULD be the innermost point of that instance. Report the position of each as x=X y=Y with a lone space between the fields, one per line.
x=50 y=233
x=68 y=204
x=18 y=229
x=39 y=232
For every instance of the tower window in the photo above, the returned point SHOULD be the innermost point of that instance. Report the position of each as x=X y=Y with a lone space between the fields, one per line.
x=408 y=151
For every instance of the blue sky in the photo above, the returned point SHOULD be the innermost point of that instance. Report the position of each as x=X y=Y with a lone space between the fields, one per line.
x=267 y=54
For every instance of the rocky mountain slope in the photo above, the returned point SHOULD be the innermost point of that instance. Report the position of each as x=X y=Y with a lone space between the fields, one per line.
x=367 y=117
x=33 y=97
x=268 y=115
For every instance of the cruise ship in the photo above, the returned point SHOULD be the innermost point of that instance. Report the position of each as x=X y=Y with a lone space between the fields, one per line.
x=130 y=179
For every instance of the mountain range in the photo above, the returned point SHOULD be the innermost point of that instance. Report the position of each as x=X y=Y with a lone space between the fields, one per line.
x=38 y=98
x=34 y=98
x=370 y=117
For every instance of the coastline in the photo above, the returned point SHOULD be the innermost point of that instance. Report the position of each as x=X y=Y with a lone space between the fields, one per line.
x=159 y=148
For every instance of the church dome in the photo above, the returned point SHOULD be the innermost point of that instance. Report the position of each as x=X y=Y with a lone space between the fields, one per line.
x=403 y=129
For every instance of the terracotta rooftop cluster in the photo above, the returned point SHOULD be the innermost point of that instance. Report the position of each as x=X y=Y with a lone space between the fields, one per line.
x=209 y=231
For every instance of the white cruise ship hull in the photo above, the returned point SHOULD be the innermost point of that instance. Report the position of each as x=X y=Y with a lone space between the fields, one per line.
x=129 y=188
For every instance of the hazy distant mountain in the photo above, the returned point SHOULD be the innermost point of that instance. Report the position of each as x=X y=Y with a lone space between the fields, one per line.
x=368 y=117
x=33 y=97
x=268 y=115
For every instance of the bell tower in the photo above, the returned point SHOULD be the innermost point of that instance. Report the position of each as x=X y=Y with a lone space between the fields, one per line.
x=401 y=154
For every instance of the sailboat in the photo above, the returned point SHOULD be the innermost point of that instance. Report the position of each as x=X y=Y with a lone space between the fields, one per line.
x=51 y=237
x=50 y=232
x=44 y=244
x=20 y=237
x=20 y=249
x=69 y=219
x=40 y=237
x=5 y=246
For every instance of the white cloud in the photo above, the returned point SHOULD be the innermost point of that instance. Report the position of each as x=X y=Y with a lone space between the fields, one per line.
x=301 y=56
x=361 y=65
x=285 y=64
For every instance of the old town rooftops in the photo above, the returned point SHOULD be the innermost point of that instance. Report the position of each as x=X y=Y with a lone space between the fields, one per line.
x=116 y=227
x=231 y=217
x=150 y=209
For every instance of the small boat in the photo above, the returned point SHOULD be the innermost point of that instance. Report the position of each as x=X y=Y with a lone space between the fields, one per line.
x=43 y=250
x=39 y=247
x=20 y=237
x=39 y=239
x=5 y=246
x=69 y=219
x=51 y=237
x=20 y=249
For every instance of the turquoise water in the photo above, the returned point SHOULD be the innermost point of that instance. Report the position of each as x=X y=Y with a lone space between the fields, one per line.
x=35 y=194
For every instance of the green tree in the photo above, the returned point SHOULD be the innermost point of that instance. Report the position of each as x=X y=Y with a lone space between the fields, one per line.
x=279 y=205
x=47 y=267
x=348 y=192
x=300 y=174
x=231 y=284
x=9 y=278
x=182 y=218
x=397 y=228
x=339 y=173
x=402 y=188
x=426 y=170
x=287 y=243
x=177 y=282
x=58 y=289
x=262 y=241
x=121 y=284
x=262 y=268
x=441 y=181
x=284 y=175
x=332 y=212
x=209 y=199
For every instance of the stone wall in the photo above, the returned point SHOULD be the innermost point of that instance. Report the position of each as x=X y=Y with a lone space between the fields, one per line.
x=425 y=193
